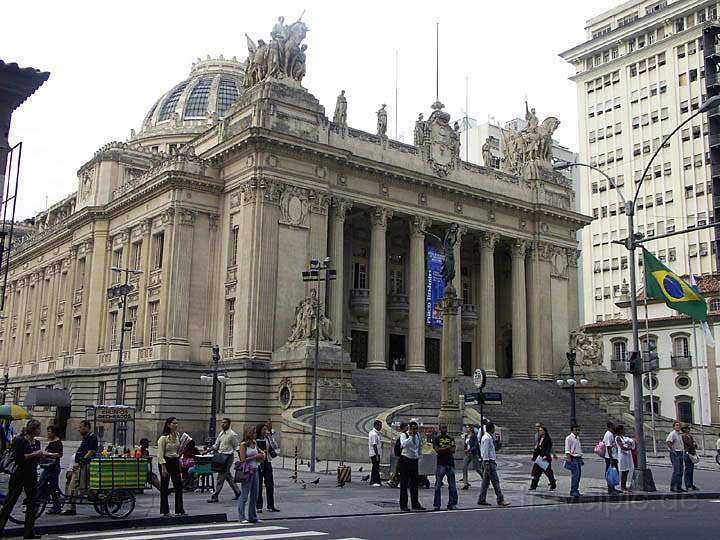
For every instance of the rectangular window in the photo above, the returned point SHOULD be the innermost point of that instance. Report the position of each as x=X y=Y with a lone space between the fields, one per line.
x=664 y=113
x=113 y=330
x=682 y=79
x=670 y=225
x=101 y=392
x=671 y=254
x=233 y=245
x=661 y=59
x=397 y=285
x=132 y=318
x=360 y=276
x=154 y=321
x=80 y=274
x=229 y=321
x=141 y=395
x=158 y=250
x=136 y=255
x=76 y=334
x=117 y=263
x=684 y=108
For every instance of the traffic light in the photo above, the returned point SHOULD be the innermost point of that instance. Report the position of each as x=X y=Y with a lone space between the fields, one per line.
x=651 y=360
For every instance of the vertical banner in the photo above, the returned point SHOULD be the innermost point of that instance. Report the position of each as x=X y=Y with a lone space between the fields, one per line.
x=434 y=287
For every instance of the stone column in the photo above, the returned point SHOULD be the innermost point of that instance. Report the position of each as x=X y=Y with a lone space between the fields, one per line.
x=22 y=315
x=539 y=314
x=145 y=233
x=52 y=311
x=416 y=296
x=210 y=323
x=519 y=311
x=488 y=241
x=377 y=324
x=178 y=307
x=69 y=294
x=457 y=283
x=337 y=301
x=450 y=413
x=476 y=277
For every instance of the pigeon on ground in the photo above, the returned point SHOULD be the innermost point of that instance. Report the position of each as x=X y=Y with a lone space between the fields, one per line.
x=302 y=483
x=316 y=481
x=365 y=478
x=341 y=484
x=360 y=469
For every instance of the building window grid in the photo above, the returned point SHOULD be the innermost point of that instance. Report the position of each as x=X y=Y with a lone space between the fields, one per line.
x=229 y=321
x=154 y=321
x=197 y=103
x=171 y=102
x=227 y=94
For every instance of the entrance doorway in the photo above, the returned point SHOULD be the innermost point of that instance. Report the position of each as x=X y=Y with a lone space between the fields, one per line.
x=466 y=357
x=432 y=355
x=397 y=352
x=359 y=348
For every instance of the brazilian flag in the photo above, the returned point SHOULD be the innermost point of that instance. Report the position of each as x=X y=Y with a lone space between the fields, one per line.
x=664 y=284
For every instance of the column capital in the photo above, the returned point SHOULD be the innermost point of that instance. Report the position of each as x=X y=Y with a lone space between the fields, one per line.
x=573 y=255
x=518 y=247
x=341 y=206
x=418 y=226
x=488 y=240
x=380 y=215
x=186 y=217
x=544 y=250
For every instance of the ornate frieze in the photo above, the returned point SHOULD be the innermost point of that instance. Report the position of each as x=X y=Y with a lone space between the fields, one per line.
x=294 y=207
x=319 y=202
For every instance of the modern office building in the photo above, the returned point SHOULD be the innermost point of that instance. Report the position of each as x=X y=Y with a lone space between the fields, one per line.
x=639 y=75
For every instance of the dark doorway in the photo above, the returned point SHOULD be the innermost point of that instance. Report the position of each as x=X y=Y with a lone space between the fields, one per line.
x=685 y=411
x=62 y=415
x=432 y=355
x=397 y=352
x=504 y=367
x=466 y=358
x=359 y=348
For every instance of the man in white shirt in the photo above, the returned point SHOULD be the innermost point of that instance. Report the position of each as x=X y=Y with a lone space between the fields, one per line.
x=610 y=457
x=374 y=448
x=574 y=460
x=411 y=444
x=487 y=451
x=676 y=448
x=227 y=443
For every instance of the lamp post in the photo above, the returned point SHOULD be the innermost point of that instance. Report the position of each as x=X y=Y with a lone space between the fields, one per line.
x=213 y=379
x=6 y=380
x=121 y=291
x=317 y=271
x=643 y=475
x=572 y=382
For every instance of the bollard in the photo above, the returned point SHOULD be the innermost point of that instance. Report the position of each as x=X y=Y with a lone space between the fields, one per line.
x=295 y=476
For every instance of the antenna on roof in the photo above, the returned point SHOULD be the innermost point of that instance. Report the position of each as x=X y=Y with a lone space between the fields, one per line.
x=396 y=94
x=437 y=61
x=301 y=15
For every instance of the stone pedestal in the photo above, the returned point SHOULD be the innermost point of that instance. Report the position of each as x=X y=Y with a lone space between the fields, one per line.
x=450 y=411
x=602 y=388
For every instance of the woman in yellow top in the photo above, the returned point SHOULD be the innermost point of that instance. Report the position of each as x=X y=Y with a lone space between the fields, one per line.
x=169 y=464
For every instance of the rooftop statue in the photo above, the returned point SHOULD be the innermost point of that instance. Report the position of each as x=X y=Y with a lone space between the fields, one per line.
x=340 y=116
x=282 y=57
x=530 y=149
x=382 y=122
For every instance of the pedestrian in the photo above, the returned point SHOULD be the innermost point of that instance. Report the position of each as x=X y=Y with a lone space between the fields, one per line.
x=26 y=455
x=265 y=470
x=487 y=451
x=444 y=446
x=271 y=438
x=536 y=435
x=610 y=455
x=251 y=456
x=690 y=458
x=374 y=450
x=574 y=459
x=677 y=452
x=7 y=435
x=226 y=444
x=169 y=465
x=394 y=480
x=48 y=486
x=153 y=479
x=187 y=464
x=472 y=455
x=623 y=450
x=411 y=445
x=85 y=452
x=542 y=460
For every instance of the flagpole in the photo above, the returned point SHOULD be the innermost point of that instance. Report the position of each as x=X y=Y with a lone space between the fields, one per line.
x=697 y=360
x=650 y=382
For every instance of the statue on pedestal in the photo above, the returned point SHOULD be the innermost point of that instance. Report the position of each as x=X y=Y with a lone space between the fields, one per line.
x=304 y=326
x=382 y=122
x=487 y=153
x=340 y=116
x=527 y=151
x=420 y=129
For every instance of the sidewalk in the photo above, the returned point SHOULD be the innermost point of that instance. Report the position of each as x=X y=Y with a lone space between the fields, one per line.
x=303 y=499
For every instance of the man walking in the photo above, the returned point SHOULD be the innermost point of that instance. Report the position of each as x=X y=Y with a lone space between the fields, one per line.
x=487 y=451
x=227 y=444
x=411 y=445
x=374 y=447
x=444 y=446
x=472 y=455
x=574 y=460
x=677 y=448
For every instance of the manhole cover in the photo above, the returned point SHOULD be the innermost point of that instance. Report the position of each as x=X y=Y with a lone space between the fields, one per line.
x=386 y=504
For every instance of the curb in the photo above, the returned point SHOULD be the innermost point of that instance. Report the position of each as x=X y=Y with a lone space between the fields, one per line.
x=635 y=497
x=117 y=524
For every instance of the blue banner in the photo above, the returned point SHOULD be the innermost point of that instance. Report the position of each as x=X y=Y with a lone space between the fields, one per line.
x=434 y=287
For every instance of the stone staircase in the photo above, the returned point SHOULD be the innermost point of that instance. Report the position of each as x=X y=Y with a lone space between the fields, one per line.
x=524 y=403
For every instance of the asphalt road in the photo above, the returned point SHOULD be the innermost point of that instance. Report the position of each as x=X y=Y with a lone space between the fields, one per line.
x=638 y=520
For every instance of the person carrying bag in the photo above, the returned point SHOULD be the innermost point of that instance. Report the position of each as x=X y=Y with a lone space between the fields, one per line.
x=250 y=457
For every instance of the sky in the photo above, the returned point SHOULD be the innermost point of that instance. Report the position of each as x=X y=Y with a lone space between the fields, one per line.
x=110 y=61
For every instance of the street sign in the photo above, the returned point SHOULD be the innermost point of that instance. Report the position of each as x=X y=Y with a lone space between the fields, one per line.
x=492 y=397
x=472 y=398
x=479 y=378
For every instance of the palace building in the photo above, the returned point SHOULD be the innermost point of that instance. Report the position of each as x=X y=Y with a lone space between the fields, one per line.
x=235 y=181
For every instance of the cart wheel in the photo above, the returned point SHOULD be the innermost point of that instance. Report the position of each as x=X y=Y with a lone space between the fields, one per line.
x=17 y=515
x=99 y=506
x=119 y=503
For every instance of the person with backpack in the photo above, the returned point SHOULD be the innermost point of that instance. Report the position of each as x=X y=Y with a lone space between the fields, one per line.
x=394 y=479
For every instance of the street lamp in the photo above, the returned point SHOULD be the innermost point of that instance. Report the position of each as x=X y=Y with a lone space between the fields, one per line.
x=317 y=271
x=643 y=475
x=213 y=379
x=122 y=291
x=572 y=382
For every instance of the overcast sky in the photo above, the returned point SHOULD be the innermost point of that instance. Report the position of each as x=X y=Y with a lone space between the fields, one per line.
x=110 y=61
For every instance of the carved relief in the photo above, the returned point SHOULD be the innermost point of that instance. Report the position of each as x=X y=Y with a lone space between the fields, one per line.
x=422 y=199
x=559 y=262
x=87 y=180
x=319 y=203
x=341 y=207
x=294 y=207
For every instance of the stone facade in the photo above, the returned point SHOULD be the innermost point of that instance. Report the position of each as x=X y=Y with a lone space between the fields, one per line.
x=223 y=222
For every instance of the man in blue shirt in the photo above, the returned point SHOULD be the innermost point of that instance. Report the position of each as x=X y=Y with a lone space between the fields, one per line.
x=472 y=455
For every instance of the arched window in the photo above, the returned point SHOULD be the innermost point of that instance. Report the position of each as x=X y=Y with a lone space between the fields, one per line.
x=684 y=408
x=655 y=402
x=620 y=350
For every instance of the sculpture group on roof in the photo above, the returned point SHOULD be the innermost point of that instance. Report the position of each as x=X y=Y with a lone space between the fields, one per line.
x=530 y=149
x=282 y=57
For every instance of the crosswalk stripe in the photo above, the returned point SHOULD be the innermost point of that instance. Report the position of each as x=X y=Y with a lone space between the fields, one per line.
x=142 y=534
x=281 y=536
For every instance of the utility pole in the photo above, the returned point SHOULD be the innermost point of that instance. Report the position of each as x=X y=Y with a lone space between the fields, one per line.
x=212 y=431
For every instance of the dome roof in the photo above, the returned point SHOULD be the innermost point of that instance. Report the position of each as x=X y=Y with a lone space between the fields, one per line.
x=188 y=107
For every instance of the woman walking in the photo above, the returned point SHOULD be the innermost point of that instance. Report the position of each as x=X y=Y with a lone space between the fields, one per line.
x=623 y=451
x=250 y=457
x=543 y=450
x=169 y=464
x=690 y=457
x=50 y=475
x=26 y=454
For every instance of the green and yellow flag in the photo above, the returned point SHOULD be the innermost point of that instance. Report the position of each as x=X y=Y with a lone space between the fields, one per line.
x=664 y=284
